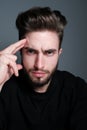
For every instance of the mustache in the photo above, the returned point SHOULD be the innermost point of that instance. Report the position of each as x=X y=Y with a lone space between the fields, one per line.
x=38 y=70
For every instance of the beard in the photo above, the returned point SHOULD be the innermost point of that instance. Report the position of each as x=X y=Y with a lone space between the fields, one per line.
x=39 y=82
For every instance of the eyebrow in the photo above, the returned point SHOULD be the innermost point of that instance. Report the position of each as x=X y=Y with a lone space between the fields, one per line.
x=54 y=50
x=30 y=48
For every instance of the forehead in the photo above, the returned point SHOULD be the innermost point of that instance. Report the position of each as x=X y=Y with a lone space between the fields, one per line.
x=42 y=39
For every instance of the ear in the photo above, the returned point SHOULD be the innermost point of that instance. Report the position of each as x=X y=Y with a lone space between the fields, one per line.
x=60 y=51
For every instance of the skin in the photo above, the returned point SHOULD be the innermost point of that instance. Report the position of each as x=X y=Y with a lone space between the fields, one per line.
x=40 y=57
x=8 y=65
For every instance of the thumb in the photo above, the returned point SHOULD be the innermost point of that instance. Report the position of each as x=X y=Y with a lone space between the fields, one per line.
x=19 y=66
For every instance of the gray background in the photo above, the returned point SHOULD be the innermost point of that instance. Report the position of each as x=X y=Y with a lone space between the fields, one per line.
x=74 y=56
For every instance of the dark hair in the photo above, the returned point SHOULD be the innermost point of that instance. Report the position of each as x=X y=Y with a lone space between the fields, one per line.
x=39 y=19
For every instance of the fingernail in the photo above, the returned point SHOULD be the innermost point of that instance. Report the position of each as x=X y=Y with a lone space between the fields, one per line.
x=17 y=74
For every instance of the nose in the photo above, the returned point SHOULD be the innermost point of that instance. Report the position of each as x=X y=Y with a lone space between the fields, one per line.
x=39 y=61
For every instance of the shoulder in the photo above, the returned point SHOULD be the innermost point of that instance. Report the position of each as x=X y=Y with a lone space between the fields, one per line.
x=73 y=88
x=70 y=80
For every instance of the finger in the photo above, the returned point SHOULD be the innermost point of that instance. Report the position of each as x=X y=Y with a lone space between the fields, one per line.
x=14 y=67
x=19 y=66
x=11 y=57
x=12 y=49
x=6 y=58
x=11 y=71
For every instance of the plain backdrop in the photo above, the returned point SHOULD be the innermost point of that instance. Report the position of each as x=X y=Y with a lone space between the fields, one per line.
x=74 y=56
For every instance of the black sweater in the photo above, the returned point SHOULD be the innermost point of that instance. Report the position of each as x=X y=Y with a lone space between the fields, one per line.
x=62 y=107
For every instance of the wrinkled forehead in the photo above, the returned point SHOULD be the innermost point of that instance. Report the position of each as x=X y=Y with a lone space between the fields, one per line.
x=42 y=40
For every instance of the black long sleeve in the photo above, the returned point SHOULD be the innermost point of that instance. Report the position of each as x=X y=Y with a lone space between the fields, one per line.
x=62 y=107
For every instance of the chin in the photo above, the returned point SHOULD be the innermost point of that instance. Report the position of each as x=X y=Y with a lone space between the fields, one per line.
x=39 y=82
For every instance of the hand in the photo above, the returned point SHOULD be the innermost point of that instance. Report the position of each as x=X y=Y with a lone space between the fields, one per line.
x=8 y=65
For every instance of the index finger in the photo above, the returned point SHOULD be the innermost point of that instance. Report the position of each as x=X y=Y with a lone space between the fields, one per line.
x=12 y=49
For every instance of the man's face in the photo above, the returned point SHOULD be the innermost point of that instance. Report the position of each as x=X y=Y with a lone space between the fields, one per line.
x=40 y=56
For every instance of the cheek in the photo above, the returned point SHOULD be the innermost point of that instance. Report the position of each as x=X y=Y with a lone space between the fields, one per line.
x=52 y=62
x=28 y=62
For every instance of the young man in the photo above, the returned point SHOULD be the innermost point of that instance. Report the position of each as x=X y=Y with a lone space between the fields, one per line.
x=40 y=97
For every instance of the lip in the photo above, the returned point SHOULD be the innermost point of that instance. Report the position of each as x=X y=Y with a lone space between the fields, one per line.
x=38 y=73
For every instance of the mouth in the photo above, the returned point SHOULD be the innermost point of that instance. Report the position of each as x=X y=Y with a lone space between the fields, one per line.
x=38 y=74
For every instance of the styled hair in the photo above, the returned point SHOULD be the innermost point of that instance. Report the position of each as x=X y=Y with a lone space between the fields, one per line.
x=40 y=19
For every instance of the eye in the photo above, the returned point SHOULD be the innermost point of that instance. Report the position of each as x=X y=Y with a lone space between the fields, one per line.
x=31 y=51
x=49 y=52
